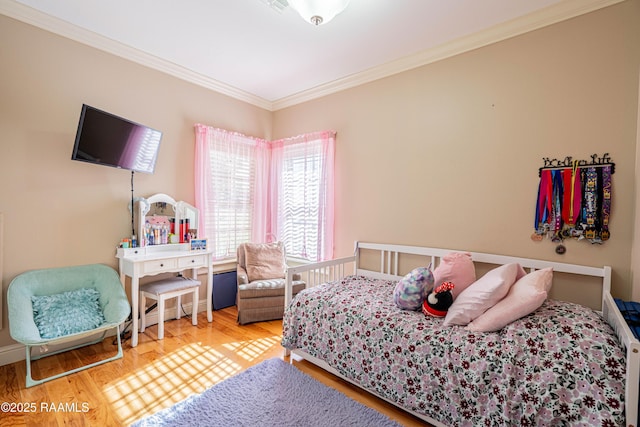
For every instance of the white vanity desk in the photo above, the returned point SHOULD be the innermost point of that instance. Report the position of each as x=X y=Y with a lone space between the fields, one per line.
x=152 y=260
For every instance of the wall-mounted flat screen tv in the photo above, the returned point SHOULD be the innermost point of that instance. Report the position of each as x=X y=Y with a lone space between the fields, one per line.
x=106 y=139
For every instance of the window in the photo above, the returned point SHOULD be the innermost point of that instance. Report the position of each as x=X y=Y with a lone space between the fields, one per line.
x=248 y=189
x=303 y=176
x=227 y=190
x=299 y=204
x=232 y=184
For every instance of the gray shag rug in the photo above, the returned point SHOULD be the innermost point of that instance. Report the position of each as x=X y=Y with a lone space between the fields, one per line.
x=272 y=393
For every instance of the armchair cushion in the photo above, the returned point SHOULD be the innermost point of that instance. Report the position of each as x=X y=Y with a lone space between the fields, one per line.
x=264 y=261
x=241 y=273
x=67 y=312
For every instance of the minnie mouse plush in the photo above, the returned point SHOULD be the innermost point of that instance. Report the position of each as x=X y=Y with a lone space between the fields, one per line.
x=439 y=300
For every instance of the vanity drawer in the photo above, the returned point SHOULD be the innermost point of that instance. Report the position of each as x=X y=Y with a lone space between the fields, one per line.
x=194 y=261
x=158 y=266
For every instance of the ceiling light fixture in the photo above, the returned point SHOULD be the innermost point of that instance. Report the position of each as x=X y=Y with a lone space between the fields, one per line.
x=318 y=11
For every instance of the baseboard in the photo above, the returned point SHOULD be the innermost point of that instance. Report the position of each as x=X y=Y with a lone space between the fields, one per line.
x=16 y=352
x=11 y=354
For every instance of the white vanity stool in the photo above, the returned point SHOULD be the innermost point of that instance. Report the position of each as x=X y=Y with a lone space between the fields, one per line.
x=162 y=290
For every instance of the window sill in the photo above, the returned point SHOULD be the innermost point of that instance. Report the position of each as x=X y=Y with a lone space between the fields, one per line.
x=224 y=265
x=293 y=261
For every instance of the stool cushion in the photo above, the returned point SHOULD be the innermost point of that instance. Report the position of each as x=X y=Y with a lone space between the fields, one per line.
x=160 y=287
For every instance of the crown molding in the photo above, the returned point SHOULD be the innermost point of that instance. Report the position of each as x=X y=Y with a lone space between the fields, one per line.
x=561 y=11
x=515 y=27
x=63 y=28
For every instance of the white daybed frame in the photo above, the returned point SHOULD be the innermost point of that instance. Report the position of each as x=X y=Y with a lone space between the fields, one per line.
x=318 y=273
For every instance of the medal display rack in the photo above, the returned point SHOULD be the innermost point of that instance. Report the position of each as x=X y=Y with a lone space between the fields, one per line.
x=568 y=163
x=574 y=200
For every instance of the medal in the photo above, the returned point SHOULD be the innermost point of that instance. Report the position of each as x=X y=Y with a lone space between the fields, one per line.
x=537 y=237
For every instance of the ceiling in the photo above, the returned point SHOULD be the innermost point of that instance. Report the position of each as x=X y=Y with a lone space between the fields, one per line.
x=249 y=50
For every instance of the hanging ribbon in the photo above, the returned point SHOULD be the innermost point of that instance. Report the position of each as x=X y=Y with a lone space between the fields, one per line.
x=572 y=195
x=590 y=202
x=544 y=202
x=557 y=203
x=606 y=202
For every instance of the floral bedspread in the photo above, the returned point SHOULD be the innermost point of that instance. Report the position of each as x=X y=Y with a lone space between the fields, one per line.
x=561 y=365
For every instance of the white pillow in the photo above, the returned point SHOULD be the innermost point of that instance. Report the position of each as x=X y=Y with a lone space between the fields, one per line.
x=524 y=297
x=483 y=294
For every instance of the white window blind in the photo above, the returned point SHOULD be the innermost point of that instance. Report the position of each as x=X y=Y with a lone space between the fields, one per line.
x=228 y=216
x=301 y=200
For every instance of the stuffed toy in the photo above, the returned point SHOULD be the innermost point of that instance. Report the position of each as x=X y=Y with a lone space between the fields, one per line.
x=439 y=300
x=411 y=291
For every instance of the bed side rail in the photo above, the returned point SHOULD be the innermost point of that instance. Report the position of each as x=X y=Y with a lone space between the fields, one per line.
x=317 y=273
x=613 y=316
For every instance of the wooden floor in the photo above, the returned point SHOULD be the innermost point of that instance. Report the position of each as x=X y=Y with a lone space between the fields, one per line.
x=154 y=375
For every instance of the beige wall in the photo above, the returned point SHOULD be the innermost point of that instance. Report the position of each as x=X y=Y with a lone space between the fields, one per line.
x=445 y=155
x=61 y=212
x=635 y=259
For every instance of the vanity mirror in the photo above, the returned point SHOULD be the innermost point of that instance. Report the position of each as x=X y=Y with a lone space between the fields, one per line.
x=161 y=220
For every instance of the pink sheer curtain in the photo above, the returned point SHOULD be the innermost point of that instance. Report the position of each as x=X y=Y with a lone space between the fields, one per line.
x=202 y=168
x=219 y=196
x=271 y=211
x=303 y=216
x=261 y=215
x=275 y=189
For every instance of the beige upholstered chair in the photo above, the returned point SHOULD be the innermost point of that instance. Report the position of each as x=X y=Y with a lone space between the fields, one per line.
x=261 y=277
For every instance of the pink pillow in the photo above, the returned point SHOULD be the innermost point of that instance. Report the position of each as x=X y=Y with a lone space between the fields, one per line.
x=524 y=297
x=264 y=261
x=483 y=294
x=457 y=268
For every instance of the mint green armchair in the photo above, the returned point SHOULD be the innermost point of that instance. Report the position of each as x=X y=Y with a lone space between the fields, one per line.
x=54 y=306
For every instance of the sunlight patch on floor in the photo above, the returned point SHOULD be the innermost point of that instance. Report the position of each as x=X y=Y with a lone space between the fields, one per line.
x=254 y=349
x=189 y=370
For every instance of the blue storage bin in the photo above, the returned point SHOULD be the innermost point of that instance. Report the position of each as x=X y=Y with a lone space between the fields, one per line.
x=631 y=312
x=225 y=288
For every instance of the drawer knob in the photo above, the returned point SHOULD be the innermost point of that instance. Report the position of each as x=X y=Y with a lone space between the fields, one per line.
x=161 y=265
x=193 y=260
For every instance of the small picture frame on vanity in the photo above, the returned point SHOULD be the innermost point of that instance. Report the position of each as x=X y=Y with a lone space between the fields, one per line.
x=198 y=244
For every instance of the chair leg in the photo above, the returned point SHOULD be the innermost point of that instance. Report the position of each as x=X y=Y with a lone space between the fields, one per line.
x=143 y=309
x=31 y=382
x=161 y=317
x=161 y=302
x=194 y=306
